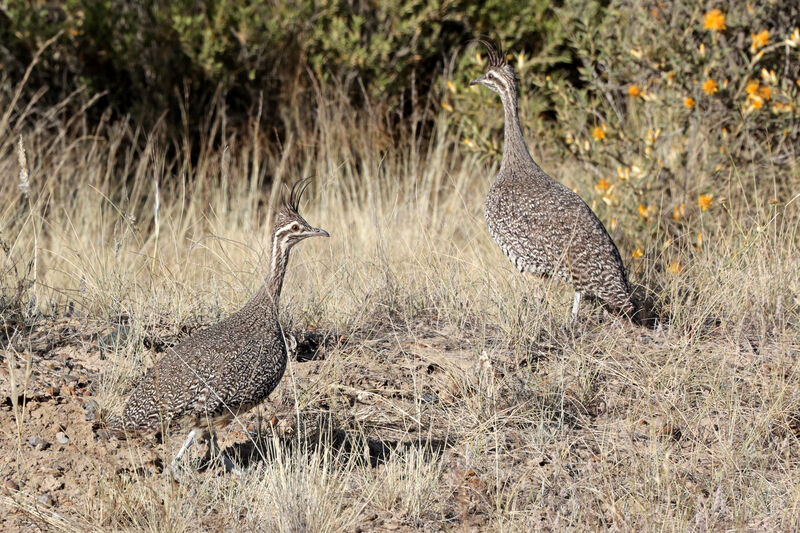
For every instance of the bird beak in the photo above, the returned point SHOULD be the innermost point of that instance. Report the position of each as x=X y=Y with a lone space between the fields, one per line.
x=319 y=233
x=478 y=81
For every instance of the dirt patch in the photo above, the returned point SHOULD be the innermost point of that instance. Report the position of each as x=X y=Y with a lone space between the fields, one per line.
x=419 y=426
x=58 y=460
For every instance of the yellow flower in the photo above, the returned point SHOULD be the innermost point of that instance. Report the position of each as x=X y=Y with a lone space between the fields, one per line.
x=760 y=40
x=675 y=267
x=647 y=212
x=649 y=140
x=699 y=240
x=446 y=106
x=451 y=86
x=765 y=92
x=755 y=101
x=752 y=87
x=598 y=133
x=637 y=253
x=794 y=39
x=678 y=211
x=602 y=185
x=609 y=198
x=633 y=90
x=689 y=102
x=710 y=86
x=769 y=76
x=704 y=201
x=714 y=20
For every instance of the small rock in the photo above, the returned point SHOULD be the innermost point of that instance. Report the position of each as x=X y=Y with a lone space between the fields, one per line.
x=117 y=337
x=38 y=443
x=51 y=484
x=10 y=486
x=62 y=438
x=45 y=499
x=91 y=410
x=427 y=397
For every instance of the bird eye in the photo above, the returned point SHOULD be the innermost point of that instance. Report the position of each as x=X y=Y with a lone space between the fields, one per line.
x=490 y=76
x=295 y=227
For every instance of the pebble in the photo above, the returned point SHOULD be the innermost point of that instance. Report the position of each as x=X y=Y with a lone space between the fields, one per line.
x=45 y=499
x=91 y=411
x=62 y=438
x=427 y=397
x=117 y=337
x=37 y=443
x=10 y=486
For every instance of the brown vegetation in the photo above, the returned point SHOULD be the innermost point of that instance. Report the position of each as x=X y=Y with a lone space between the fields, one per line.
x=435 y=387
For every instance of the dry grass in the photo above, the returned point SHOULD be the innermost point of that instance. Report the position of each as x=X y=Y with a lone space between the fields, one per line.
x=449 y=392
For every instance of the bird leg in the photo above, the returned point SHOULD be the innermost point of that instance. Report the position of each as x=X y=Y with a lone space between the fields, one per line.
x=185 y=447
x=576 y=302
x=227 y=463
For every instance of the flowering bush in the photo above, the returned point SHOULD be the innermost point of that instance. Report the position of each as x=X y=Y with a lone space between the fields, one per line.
x=675 y=109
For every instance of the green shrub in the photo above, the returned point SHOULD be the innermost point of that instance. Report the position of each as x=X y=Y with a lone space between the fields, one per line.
x=182 y=56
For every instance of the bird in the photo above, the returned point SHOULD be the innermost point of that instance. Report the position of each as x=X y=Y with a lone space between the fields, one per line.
x=221 y=372
x=543 y=227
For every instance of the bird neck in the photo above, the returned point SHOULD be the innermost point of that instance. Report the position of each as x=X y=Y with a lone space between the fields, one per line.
x=515 y=151
x=269 y=294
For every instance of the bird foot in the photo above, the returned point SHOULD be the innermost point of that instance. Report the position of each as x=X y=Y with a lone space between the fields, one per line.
x=229 y=465
x=177 y=463
x=216 y=452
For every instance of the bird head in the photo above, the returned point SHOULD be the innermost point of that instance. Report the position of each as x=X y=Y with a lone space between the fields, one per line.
x=499 y=75
x=290 y=228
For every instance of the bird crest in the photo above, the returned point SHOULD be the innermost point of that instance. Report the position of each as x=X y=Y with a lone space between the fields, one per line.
x=292 y=202
x=497 y=58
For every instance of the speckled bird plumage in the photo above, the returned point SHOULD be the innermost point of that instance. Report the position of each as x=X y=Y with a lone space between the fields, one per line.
x=540 y=225
x=231 y=366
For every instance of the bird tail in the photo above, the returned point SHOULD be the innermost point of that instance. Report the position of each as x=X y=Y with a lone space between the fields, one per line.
x=109 y=425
